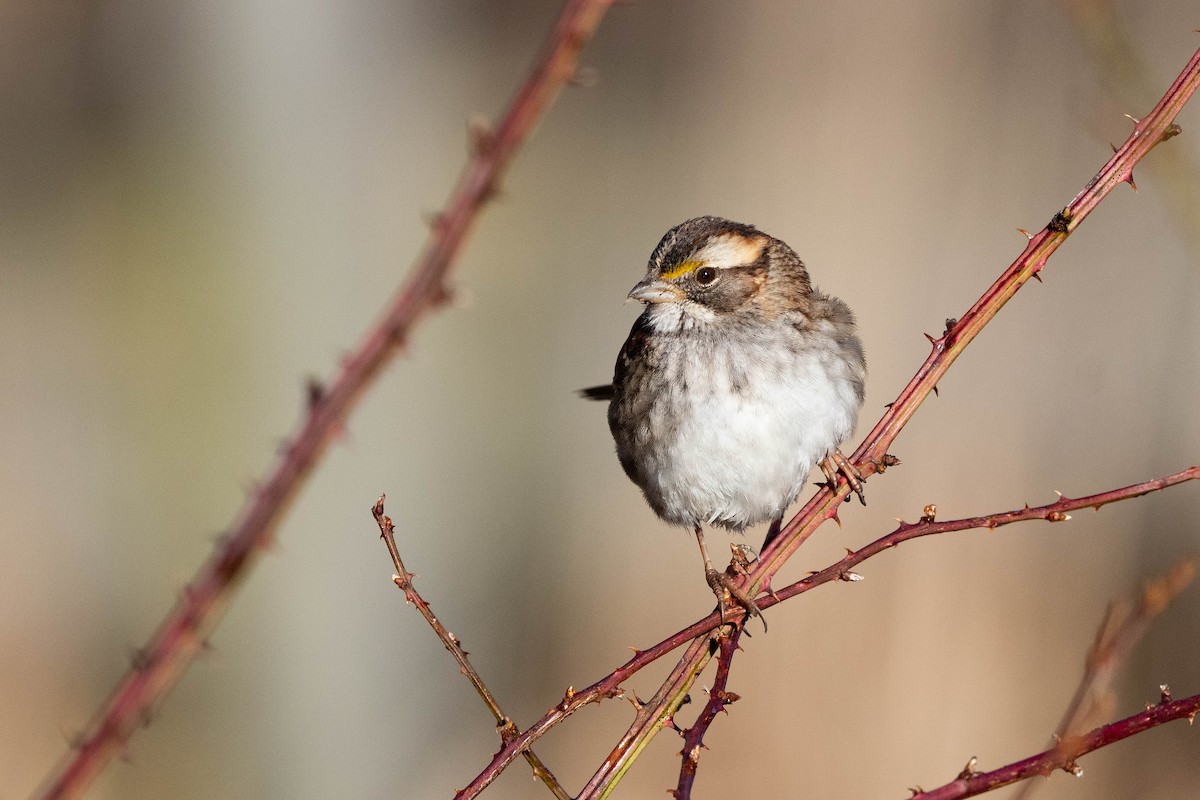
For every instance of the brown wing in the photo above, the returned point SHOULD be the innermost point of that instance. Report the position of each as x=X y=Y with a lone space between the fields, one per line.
x=633 y=352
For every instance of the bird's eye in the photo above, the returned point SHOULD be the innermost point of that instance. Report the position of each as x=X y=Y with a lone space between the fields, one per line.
x=705 y=276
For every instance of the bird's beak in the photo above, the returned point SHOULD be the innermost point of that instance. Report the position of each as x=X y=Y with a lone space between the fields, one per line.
x=652 y=290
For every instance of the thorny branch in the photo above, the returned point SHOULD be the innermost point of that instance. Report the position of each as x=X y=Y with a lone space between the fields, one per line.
x=1066 y=754
x=870 y=457
x=698 y=632
x=1124 y=624
x=718 y=698
x=1125 y=76
x=1058 y=511
x=184 y=630
x=404 y=581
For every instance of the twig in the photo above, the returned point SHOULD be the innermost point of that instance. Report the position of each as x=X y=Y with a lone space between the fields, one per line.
x=1123 y=627
x=871 y=456
x=718 y=698
x=183 y=631
x=504 y=724
x=1106 y=39
x=1054 y=512
x=696 y=656
x=1065 y=755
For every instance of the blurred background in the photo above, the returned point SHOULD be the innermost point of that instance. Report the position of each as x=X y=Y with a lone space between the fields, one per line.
x=202 y=204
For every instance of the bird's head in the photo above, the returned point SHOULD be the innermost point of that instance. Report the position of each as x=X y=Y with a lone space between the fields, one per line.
x=710 y=266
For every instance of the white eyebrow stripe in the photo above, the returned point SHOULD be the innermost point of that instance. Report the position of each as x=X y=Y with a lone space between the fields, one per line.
x=731 y=250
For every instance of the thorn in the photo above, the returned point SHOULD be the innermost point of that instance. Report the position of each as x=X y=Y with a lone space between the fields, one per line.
x=585 y=77
x=442 y=295
x=935 y=391
x=481 y=134
x=849 y=552
x=491 y=191
x=931 y=339
x=1060 y=494
x=1134 y=119
x=1028 y=235
x=889 y=405
x=433 y=219
x=833 y=515
x=1113 y=146
x=76 y=741
x=146 y=718
x=314 y=391
x=1037 y=276
x=138 y=658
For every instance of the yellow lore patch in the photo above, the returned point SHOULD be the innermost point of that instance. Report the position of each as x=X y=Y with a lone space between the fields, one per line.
x=682 y=268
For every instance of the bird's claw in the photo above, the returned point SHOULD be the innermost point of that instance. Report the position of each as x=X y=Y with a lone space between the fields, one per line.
x=722 y=585
x=836 y=463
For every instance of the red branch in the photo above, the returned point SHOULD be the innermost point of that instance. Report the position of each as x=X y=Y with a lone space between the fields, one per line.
x=872 y=456
x=696 y=633
x=1054 y=512
x=1064 y=755
x=183 y=631
x=1156 y=127
x=1125 y=622
x=404 y=581
x=718 y=698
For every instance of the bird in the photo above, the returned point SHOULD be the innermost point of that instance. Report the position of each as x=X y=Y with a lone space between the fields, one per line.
x=738 y=377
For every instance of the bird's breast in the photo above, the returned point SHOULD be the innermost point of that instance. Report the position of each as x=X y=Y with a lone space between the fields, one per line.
x=724 y=429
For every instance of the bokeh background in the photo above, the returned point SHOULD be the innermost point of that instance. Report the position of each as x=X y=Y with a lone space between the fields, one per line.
x=202 y=204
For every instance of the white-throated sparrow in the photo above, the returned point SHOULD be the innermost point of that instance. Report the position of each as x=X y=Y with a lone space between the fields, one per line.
x=735 y=381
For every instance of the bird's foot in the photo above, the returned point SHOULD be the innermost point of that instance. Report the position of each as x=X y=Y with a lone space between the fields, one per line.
x=835 y=463
x=726 y=589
